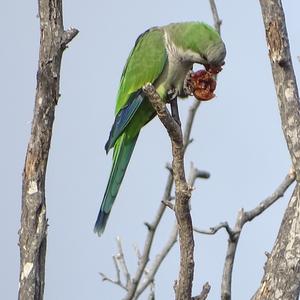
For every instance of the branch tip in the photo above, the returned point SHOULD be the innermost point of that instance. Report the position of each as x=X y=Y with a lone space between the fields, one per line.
x=204 y=293
x=149 y=226
x=68 y=36
x=168 y=204
x=169 y=168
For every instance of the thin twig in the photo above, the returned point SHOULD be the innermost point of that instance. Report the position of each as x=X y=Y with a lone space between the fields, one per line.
x=217 y=20
x=204 y=292
x=152 y=291
x=278 y=193
x=118 y=280
x=214 y=230
x=122 y=263
x=157 y=262
x=169 y=204
x=137 y=250
x=242 y=219
x=189 y=123
x=117 y=271
x=195 y=173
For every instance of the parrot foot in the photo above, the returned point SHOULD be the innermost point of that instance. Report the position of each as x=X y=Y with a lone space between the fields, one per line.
x=175 y=111
x=172 y=94
x=187 y=86
x=172 y=99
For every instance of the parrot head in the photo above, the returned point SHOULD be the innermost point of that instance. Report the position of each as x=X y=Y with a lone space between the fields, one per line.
x=199 y=43
x=214 y=57
x=208 y=44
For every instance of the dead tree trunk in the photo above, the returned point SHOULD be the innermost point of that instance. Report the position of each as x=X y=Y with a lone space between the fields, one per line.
x=33 y=231
x=282 y=271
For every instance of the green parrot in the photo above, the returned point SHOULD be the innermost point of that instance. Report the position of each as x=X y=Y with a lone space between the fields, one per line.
x=162 y=56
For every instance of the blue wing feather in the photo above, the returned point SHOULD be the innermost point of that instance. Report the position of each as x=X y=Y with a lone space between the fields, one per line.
x=123 y=118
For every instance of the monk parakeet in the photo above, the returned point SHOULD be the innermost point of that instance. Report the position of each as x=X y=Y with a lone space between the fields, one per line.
x=162 y=56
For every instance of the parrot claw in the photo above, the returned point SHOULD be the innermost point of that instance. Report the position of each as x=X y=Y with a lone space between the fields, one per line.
x=187 y=89
x=175 y=111
x=172 y=94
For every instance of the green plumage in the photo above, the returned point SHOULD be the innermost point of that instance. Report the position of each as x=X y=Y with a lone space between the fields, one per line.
x=161 y=56
x=135 y=75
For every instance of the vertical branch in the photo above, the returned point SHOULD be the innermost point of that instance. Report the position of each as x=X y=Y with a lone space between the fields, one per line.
x=33 y=231
x=184 y=220
x=281 y=279
x=189 y=123
x=284 y=76
x=133 y=293
x=217 y=20
x=183 y=194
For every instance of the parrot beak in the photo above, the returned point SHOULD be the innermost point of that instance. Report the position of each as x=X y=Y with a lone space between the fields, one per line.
x=214 y=70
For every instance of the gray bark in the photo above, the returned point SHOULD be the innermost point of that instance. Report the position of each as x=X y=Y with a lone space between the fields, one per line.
x=33 y=231
x=284 y=76
x=281 y=279
x=183 y=287
x=282 y=270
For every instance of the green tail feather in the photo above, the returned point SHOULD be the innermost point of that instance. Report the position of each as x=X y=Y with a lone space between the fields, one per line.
x=121 y=157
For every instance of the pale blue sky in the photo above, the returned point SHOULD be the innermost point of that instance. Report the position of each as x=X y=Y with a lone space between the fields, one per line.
x=237 y=138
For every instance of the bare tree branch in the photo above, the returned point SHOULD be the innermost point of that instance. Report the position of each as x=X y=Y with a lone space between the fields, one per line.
x=33 y=231
x=189 y=123
x=284 y=76
x=157 y=262
x=194 y=174
x=118 y=280
x=281 y=278
x=122 y=263
x=204 y=293
x=278 y=193
x=214 y=230
x=217 y=20
x=183 y=194
x=151 y=272
x=166 y=197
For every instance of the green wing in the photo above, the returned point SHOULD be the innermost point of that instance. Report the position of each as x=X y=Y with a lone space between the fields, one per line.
x=145 y=63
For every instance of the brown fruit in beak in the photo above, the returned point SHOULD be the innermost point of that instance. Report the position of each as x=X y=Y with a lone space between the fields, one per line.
x=203 y=85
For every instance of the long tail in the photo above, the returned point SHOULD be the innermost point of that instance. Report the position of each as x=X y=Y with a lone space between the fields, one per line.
x=121 y=157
